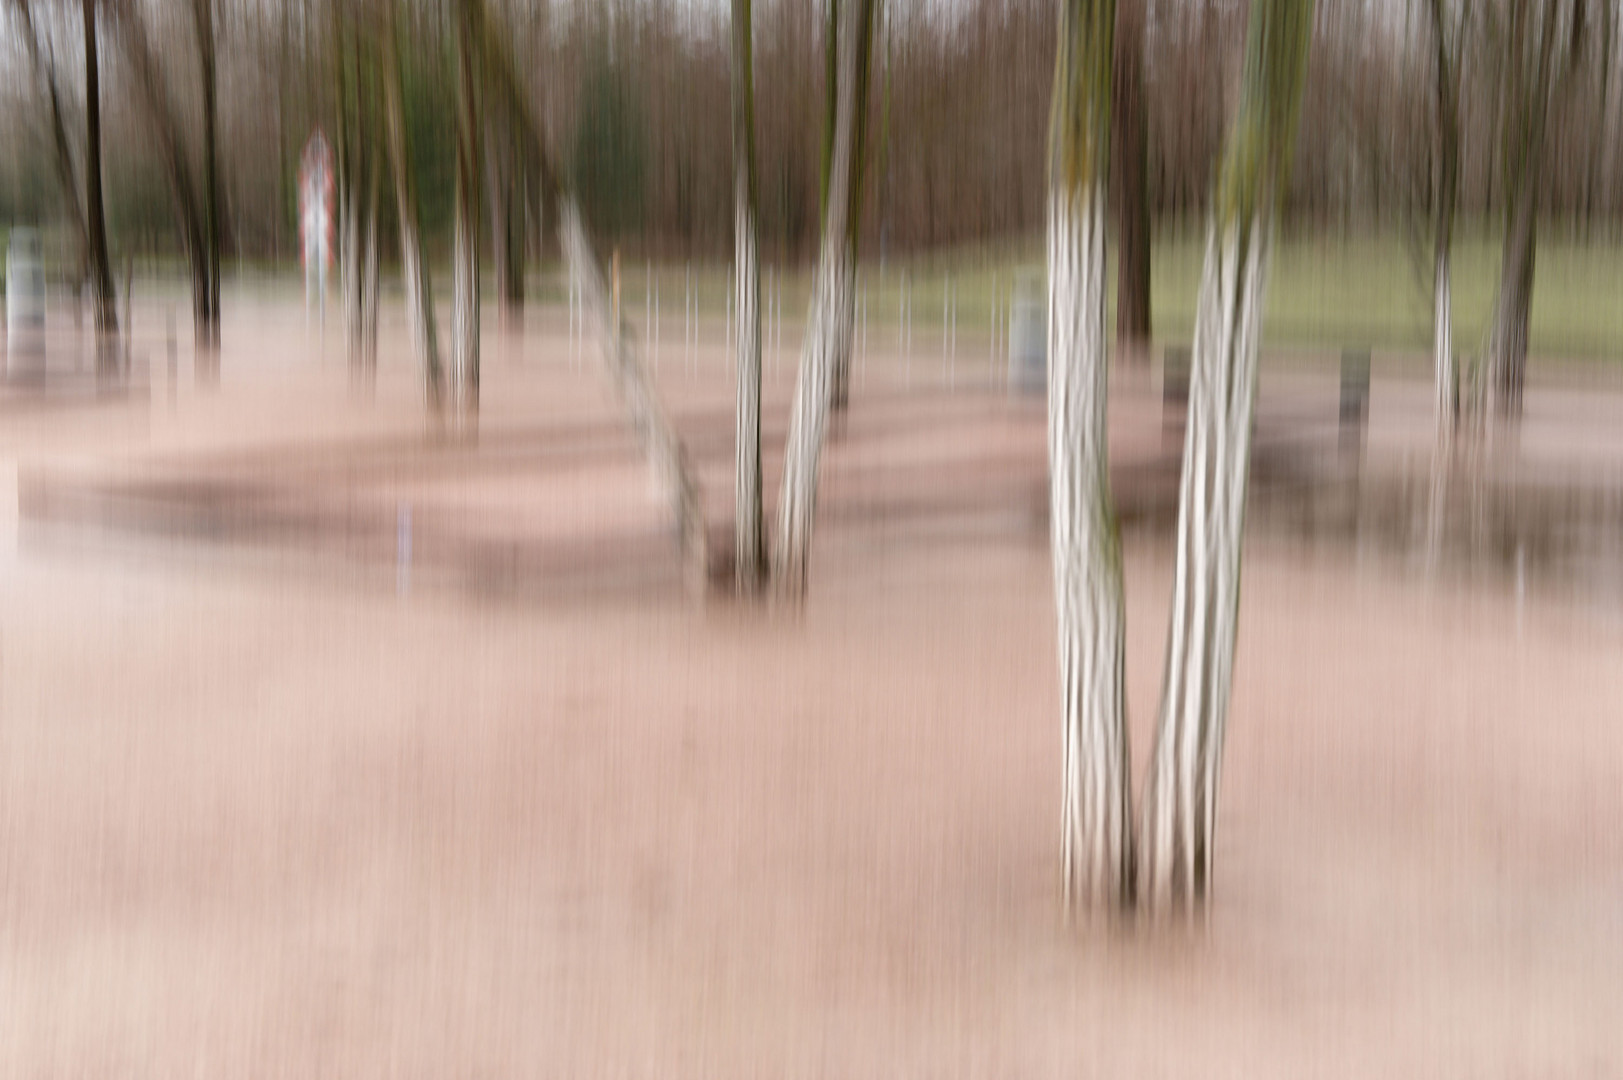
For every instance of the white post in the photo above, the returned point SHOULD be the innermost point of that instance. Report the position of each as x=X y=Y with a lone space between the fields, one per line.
x=862 y=367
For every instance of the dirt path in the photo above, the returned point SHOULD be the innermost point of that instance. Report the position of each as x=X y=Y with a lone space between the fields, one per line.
x=260 y=825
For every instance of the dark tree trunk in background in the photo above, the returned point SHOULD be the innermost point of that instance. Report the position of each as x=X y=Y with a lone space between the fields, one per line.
x=853 y=70
x=750 y=536
x=208 y=311
x=1129 y=159
x=413 y=266
x=99 y=266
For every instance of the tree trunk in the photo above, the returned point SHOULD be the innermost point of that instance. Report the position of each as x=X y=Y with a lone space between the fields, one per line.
x=101 y=271
x=750 y=538
x=369 y=284
x=208 y=309
x=1129 y=161
x=1507 y=343
x=463 y=384
x=1442 y=343
x=1096 y=830
x=504 y=180
x=654 y=431
x=413 y=267
x=854 y=75
x=1180 y=812
x=1445 y=70
x=830 y=321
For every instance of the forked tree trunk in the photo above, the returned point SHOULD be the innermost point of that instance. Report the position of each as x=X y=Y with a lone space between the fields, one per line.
x=749 y=534
x=1180 y=811
x=830 y=320
x=625 y=368
x=414 y=269
x=1096 y=808
x=463 y=383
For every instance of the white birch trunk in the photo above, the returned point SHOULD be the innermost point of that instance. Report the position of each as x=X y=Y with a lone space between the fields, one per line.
x=1086 y=549
x=1180 y=809
x=626 y=371
x=830 y=321
x=1447 y=400
x=750 y=567
x=463 y=384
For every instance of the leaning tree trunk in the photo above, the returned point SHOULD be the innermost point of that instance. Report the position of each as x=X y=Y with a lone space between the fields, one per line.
x=413 y=267
x=463 y=383
x=1097 y=852
x=1129 y=159
x=654 y=431
x=750 y=536
x=1180 y=811
x=829 y=324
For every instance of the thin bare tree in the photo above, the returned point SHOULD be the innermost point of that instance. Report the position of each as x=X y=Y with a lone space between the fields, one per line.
x=463 y=382
x=830 y=320
x=414 y=267
x=1180 y=813
x=1096 y=820
x=750 y=538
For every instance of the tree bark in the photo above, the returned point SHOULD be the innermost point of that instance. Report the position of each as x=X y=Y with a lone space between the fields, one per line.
x=101 y=271
x=1096 y=815
x=1180 y=812
x=153 y=98
x=830 y=321
x=1445 y=69
x=625 y=368
x=463 y=384
x=854 y=74
x=1129 y=161
x=1507 y=344
x=414 y=268
x=750 y=567
x=208 y=309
